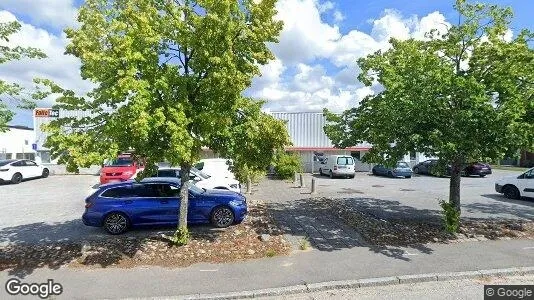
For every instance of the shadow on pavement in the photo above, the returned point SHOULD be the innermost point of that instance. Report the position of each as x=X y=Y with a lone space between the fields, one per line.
x=32 y=246
x=384 y=226
x=523 y=208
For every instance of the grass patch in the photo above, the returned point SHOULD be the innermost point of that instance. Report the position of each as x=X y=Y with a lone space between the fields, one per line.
x=270 y=253
x=507 y=168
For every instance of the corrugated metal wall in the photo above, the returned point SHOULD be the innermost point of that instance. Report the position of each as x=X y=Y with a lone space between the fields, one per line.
x=306 y=129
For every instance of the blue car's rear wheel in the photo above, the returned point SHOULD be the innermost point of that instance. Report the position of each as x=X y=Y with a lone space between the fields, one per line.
x=116 y=223
x=222 y=217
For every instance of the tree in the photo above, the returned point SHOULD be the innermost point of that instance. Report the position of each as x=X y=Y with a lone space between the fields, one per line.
x=463 y=95
x=12 y=90
x=169 y=76
x=253 y=140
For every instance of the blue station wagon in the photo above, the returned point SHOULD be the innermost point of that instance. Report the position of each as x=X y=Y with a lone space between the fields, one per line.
x=156 y=201
x=402 y=169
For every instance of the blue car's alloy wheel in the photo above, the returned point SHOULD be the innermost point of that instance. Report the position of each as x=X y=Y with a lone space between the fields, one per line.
x=116 y=223
x=222 y=217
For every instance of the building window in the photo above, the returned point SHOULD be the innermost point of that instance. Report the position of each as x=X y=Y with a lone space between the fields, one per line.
x=45 y=157
x=4 y=155
x=356 y=155
x=412 y=155
x=25 y=142
x=25 y=156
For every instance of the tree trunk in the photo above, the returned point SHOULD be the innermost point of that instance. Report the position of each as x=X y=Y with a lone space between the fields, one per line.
x=454 y=187
x=184 y=195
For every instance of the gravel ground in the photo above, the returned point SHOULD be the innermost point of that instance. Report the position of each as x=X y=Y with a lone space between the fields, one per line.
x=256 y=237
x=458 y=289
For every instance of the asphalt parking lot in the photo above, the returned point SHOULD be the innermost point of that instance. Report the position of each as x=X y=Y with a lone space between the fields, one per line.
x=478 y=196
x=50 y=209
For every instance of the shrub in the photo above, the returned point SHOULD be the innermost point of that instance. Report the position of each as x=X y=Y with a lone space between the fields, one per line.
x=287 y=164
x=451 y=216
x=304 y=243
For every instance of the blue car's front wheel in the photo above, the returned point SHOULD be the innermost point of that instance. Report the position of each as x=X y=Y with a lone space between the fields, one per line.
x=222 y=217
x=116 y=223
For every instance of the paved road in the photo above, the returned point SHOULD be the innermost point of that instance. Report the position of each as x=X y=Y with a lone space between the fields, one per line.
x=298 y=268
x=389 y=198
x=479 y=199
x=458 y=289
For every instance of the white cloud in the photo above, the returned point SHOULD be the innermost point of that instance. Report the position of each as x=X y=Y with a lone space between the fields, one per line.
x=325 y=6
x=390 y=25
x=304 y=36
x=57 y=14
x=62 y=69
x=338 y=16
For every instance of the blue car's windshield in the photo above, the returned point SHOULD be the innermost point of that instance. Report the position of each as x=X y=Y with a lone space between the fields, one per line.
x=402 y=165
x=195 y=189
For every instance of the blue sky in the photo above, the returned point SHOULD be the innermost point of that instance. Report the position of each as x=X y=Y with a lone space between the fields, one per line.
x=315 y=57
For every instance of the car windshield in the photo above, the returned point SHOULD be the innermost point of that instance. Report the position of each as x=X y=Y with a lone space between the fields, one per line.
x=5 y=162
x=120 y=162
x=199 y=173
x=345 y=160
x=402 y=165
x=195 y=189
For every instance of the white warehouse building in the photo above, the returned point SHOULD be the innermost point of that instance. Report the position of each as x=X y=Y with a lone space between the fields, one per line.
x=16 y=143
x=305 y=130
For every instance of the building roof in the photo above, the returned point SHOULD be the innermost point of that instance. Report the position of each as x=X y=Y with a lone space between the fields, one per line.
x=306 y=131
x=19 y=127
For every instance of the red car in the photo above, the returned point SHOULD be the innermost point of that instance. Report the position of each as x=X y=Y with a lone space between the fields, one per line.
x=123 y=168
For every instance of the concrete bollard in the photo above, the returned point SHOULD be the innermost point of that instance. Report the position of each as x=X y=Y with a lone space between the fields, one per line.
x=249 y=186
x=313 y=186
x=295 y=178
x=302 y=181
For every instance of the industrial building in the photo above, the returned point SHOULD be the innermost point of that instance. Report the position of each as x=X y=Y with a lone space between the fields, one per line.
x=305 y=129
x=16 y=143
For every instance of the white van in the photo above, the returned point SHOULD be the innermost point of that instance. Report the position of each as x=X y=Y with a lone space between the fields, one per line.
x=216 y=167
x=337 y=165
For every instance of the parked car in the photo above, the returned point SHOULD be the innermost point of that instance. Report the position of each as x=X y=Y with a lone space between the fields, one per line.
x=402 y=169
x=123 y=168
x=516 y=186
x=156 y=201
x=337 y=166
x=16 y=170
x=219 y=167
x=203 y=180
x=428 y=168
x=477 y=168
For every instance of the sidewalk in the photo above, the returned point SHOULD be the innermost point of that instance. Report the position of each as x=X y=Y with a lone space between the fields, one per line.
x=300 y=268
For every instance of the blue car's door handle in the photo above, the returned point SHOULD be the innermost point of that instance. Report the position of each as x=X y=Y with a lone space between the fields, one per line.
x=128 y=202
x=164 y=201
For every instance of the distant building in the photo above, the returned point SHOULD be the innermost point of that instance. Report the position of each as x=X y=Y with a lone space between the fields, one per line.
x=309 y=140
x=16 y=143
x=305 y=129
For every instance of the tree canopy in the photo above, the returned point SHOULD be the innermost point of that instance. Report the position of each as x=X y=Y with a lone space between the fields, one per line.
x=12 y=92
x=461 y=95
x=169 y=76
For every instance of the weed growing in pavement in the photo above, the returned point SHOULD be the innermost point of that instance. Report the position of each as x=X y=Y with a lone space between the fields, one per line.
x=451 y=216
x=304 y=243
x=270 y=253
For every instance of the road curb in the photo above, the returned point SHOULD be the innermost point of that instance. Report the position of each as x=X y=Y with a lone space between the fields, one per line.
x=347 y=284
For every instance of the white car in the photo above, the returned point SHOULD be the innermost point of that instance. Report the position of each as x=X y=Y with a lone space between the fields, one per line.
x=515 y=187
x=338 y=166
x=16 y=170
x=216 y=167
x=202 y=180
